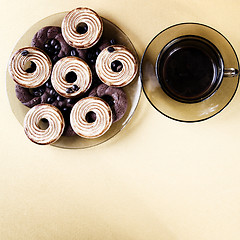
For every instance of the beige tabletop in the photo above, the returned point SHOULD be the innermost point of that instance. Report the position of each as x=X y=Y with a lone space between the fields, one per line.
x=156 y=179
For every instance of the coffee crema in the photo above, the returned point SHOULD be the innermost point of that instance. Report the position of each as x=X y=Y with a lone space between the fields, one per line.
x=189 y=69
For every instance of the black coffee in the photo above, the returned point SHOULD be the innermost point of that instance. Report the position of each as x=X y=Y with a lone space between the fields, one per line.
x=189 y=69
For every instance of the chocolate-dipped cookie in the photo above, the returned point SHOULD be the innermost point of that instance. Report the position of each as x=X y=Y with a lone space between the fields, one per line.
x=50 y=40
x=26 y=97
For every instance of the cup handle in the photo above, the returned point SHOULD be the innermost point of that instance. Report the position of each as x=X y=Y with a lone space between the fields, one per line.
x=230 y=72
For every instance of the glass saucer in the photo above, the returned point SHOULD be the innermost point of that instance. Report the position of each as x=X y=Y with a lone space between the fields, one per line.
x=133 y=90
x=177 y=110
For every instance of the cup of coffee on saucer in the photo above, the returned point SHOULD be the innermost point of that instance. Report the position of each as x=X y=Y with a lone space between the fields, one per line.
x=189 y=72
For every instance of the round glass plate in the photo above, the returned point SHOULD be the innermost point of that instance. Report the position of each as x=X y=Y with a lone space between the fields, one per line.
x=133 y=90
x=177 y=110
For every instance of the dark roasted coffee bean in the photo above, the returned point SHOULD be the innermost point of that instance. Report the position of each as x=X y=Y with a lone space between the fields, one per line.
x=50 y=100
x=116 y=66
x=75 y=87
x=69 y=90
x=53 y=42
x=57 y=47
x=24 y=53
x=41 y=90
x=65 y=109
x=112 y=41
x=97 y=52
x=49 y=84
x=113 y=65
x=46 y=45
x=59 y=98
x=37 y=93
x=70 y=100
x=74 y=53
x=52 y=92
x=111 y=49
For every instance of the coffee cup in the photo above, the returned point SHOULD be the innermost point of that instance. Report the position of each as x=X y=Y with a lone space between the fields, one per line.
x=189 y=72
x=190 y=69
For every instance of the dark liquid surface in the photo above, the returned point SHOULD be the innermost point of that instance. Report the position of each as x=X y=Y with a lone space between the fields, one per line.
x=188 y=70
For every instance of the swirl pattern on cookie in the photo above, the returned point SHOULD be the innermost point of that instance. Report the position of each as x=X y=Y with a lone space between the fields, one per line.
x=21 y=67
x=55 y=124
x=82 y=28
x=79 y=73
x=114 y=76
x=93 y=129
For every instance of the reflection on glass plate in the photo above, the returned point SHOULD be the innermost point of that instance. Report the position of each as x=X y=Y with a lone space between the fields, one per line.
x=133 y=90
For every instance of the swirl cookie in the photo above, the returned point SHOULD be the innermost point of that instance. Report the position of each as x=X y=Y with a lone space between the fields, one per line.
x=30 y=67
x=115 y=97
x=82 y=28
x=116 y=66
x=94 y=106
x=71 y=77
x=52 y=116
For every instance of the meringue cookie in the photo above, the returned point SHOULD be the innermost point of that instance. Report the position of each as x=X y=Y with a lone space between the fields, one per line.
x=24 y=57
x=32 y=124
x=121 y=77
x=93 y=129
x=74 y=66
x=91 y=22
